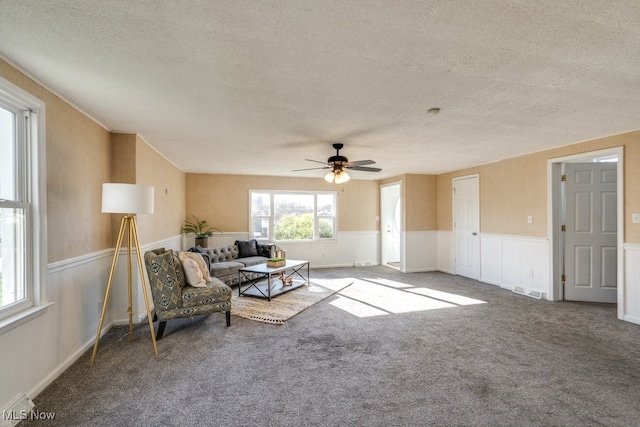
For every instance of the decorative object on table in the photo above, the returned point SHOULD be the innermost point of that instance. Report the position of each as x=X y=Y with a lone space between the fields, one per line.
x=201 y=229
x=254 y=277
x=286 y=281
x=283 y=308
x=276 y=262
x=128 y=199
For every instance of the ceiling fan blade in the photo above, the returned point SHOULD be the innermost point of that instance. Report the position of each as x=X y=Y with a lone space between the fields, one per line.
x=361 y=163
x=317 y=161
x=363 y=168
x=310 y=169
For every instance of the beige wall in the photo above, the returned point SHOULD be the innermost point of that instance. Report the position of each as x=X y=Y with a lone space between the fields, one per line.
x=512 y=189
x=136 y=162
x=169 y=196
x=223 y=200
x=421 y=197
x=81 y=156
x=419 y=201
x=78 y=162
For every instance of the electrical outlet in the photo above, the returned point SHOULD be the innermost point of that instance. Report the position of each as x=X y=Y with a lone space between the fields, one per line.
x=635 y=218
x=529 y=219
x=530 y=272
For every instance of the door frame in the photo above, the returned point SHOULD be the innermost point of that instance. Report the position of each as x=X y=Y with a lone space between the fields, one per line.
x=401 y=250
x=554 y=212
x=478 y=257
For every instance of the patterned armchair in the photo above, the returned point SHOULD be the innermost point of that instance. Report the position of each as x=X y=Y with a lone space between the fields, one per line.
x=173 y=298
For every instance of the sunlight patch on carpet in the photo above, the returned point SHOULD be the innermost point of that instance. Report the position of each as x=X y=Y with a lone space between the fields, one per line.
x=370 y=297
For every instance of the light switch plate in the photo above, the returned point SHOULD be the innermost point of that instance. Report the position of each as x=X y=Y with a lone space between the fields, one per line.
x=635 y=218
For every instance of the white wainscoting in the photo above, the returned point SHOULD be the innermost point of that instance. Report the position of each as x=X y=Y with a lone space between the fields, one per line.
x=348 y=249
x=446 y=252
x=630 y=310
x=515 y=261
x=420 y=250
x=504 y=260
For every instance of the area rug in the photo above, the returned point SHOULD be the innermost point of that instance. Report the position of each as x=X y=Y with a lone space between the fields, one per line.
x=284 y=306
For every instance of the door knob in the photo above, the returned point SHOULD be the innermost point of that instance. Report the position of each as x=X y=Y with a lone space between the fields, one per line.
x=474 y=233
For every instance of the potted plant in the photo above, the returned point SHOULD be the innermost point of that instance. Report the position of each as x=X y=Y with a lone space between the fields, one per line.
x=201 y=229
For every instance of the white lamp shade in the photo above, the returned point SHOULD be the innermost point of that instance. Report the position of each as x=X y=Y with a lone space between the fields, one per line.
x=127 y=198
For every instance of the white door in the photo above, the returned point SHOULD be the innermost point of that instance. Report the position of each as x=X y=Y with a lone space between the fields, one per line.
x=591 y=232
x=390 y=224
x=466 y=226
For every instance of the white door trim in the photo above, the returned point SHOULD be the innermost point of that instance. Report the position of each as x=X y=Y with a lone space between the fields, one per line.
x=402 y=229
x=553 y=225
x=477 y=257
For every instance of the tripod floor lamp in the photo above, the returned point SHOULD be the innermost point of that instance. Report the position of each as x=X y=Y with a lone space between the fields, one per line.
x=128 y=199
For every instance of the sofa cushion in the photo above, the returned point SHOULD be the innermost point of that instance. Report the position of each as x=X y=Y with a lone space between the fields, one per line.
x=247 y=248
x=266 y=249
x=221 y=269
x=197 y=249
x=252 y=260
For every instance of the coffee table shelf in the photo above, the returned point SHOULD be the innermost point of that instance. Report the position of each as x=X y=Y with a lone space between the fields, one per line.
x=267 y=284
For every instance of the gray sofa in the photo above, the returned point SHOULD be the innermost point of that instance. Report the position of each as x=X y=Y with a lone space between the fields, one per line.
x=225 y=261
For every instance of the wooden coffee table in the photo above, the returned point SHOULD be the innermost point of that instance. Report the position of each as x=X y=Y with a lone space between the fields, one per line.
x=272 y=287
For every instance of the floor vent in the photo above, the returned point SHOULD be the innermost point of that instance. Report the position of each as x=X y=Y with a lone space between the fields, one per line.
x=533 y=294
x=19 y=411
x=362 y=264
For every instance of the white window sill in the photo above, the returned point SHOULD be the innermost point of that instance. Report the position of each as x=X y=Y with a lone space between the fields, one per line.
x=23 y=317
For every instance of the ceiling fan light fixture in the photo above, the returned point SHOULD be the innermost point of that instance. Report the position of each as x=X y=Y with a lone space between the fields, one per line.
x=337 y=177
x=330 y=177
x=342 y=177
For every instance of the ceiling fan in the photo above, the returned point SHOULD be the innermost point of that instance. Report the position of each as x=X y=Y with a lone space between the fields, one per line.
x=338 y=164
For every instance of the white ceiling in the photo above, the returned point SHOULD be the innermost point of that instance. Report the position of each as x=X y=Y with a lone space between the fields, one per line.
x=255 y=87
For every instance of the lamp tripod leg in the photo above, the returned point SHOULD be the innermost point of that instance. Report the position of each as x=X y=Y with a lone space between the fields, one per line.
x=130 y=281
x=108 y=291
x=144 y=286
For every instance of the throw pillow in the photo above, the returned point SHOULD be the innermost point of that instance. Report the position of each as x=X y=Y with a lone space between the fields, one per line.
x=247 y=248
x=193 y=273
x=199 y=260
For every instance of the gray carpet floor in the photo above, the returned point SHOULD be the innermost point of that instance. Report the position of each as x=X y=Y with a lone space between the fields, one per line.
x=510 y=361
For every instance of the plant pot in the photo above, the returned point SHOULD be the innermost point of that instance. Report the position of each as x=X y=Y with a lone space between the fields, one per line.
x=275 y=263
x=203 y=242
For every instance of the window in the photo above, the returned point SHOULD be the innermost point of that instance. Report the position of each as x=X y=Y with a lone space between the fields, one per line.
x=20 y=238
x=290 y=215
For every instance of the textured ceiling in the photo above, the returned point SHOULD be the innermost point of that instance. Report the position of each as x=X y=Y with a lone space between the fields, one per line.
x=255 y=87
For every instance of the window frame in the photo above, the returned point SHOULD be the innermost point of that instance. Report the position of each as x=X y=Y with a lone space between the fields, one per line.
x=30 y=175
x=272 y=212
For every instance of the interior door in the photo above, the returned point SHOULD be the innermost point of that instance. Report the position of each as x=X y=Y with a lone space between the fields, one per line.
x=591 y=232
x=466 y=226
x=391 y=224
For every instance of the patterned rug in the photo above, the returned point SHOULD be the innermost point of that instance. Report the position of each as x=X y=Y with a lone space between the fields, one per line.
x=284 y=306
